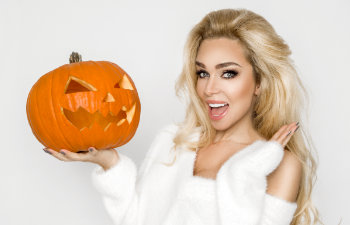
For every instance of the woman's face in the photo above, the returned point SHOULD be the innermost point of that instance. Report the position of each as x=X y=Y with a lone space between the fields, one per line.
x=225 y=82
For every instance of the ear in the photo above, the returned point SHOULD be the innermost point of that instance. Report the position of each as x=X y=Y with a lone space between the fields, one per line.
x=257 y=90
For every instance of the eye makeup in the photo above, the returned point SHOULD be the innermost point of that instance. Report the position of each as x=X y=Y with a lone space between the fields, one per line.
x=230 y=74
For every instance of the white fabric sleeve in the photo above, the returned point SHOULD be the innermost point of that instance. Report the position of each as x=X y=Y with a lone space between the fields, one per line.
x=117 y=187
x=277 y=211
x=242 y=183
x=119 y=184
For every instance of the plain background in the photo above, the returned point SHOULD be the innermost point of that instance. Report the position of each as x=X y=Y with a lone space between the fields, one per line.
x=146 y=38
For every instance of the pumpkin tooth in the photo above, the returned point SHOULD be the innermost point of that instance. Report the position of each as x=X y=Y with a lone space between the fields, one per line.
x=107 y=126
x=83 y=119
x=130 y=114
x=120 y=122
x=82 y=129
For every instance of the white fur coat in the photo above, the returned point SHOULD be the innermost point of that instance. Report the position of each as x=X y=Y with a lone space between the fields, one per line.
x=157 y=194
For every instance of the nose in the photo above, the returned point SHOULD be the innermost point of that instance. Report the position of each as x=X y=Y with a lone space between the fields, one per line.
x=211 y=86
x=108 y=98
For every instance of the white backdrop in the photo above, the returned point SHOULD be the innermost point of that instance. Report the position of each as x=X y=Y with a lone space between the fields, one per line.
x=146 y=38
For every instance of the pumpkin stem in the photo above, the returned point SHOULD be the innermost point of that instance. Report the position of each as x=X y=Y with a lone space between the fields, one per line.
x=75 y=57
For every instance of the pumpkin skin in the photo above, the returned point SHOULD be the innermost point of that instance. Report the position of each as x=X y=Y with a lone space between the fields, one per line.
x=83 y=104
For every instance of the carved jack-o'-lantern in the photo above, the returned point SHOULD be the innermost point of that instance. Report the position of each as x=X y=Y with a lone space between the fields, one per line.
x=83 y=104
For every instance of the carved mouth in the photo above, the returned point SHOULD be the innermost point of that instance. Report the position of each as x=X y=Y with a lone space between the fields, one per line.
x=83 y=119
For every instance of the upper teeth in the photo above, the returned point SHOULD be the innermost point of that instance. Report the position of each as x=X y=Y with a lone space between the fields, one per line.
x=217 y=105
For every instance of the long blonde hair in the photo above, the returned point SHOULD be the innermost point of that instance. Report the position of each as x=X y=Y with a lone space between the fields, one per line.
x=282 y=99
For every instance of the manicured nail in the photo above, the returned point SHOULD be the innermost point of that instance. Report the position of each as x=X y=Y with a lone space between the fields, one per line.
x=62 y=152
x=91 y=149
x=296 y=129
x=45 y=149
x=289 y=133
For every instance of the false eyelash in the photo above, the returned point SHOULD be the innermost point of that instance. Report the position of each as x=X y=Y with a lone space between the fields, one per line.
x=232 y=72
x=226 y=71
x=199 y=72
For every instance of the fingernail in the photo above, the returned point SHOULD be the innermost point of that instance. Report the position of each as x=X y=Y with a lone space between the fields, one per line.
x=296 y=129
x=91 y=149
x=45 y=149
x=62 y=152
x=289 y=133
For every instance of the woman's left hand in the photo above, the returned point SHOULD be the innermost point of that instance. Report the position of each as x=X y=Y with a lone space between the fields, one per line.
x=284 y=134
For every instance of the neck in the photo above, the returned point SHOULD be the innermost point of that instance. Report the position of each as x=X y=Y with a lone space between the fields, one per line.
x=242 y=132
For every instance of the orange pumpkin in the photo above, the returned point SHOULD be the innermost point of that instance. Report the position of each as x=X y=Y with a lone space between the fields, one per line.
x=83 y=104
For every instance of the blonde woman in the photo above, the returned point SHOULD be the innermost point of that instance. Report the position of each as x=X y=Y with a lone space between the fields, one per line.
x=236 y=158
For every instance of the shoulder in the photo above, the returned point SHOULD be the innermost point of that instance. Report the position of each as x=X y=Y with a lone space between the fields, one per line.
x=284 y=181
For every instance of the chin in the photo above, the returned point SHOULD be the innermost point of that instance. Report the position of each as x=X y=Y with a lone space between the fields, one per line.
x=221 y=125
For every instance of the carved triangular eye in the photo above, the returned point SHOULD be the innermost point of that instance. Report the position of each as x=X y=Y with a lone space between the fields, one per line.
x=77 y=85
x=124 y=83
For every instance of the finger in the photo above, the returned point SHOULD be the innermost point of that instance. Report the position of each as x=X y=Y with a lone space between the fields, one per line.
x=90 y=155
x=79 y=156
x=71 y=156
x=290 y=134
x=56 y=154
x=286 y=134
x=92 y=150
x=283 y=135
x=277 y=135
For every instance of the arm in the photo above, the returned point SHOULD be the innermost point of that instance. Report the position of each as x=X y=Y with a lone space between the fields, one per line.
x=277 y=211
x=242 y=184
x=117 y=187
x=282 y=190
x=119 y=184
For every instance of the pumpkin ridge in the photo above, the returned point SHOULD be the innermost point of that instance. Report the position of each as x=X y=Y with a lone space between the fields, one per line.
x=35 y=108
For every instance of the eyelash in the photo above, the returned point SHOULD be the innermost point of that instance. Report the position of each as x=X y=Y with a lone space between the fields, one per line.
x=226 y=71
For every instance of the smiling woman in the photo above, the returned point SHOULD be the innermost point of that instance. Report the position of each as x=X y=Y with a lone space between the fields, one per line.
x=241 y=86
x=236 y=159
x=226 y=77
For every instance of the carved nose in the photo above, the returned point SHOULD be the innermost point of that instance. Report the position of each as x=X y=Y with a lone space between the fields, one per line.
x=109 y=98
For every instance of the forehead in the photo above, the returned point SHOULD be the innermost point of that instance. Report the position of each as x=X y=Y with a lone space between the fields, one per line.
x=218 y=50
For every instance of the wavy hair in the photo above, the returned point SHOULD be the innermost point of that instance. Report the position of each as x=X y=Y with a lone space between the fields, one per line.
x=283 y=99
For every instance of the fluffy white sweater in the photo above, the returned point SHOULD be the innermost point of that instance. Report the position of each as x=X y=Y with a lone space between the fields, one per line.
x=157 y=194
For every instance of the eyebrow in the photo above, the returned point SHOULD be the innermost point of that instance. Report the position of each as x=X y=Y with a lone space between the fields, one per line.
x=219 y=66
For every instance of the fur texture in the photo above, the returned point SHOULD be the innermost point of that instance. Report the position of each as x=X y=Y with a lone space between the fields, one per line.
x=170 y=195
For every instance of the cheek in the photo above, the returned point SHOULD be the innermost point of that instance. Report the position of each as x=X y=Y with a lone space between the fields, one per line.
x=242 y=92
x=200 y=88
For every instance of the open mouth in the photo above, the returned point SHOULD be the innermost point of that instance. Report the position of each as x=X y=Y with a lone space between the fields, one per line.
x=218 y=108
x=83 y=119
x=218 y=111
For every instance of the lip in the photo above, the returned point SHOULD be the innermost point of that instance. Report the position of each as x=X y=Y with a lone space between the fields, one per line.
x=216 y=102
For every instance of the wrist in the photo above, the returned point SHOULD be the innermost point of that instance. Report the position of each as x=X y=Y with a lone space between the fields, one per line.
x=112 y=161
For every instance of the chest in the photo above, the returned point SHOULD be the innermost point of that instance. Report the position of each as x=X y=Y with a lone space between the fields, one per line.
x=209 y=160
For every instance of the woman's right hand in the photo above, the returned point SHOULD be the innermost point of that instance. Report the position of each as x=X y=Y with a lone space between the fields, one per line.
x=106 y=158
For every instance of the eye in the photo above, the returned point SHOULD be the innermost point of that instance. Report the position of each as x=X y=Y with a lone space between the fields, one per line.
x=75 y=84
x=229 y=74
x=124 y=83
x=202 y=74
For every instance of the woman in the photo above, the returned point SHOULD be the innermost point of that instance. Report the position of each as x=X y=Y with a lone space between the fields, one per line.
x=236 y=158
